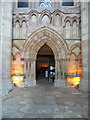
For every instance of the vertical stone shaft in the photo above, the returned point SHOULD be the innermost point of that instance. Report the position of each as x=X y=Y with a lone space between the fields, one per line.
x=84 y=38
x=6 y=40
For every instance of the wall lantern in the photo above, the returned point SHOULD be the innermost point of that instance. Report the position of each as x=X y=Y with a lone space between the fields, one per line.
x=18 y=79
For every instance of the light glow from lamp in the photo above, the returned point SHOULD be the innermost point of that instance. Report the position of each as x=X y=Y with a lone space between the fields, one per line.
x=74 y=80
x=17 y=71
x=17 y=80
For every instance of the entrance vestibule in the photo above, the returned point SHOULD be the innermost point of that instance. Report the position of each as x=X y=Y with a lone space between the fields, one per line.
x=45 y=63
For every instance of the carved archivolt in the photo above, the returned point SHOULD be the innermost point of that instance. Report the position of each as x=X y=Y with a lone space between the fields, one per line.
x=15 y=50
x=44 y=36
x=75 y=46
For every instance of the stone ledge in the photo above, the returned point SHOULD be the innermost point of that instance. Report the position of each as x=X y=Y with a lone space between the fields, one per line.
x=84 y=87
x=60 y=83
x=29 y=82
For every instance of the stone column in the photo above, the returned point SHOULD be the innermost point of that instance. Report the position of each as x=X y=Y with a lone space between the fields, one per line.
x=5 y=46
x=24 y=69
x=56 y=69
x=71 y=29
x=56 y=74
x=89 y=47
x=84 y=38
x=59 y=70
x=71 y=26
x=33 y=72
x=28 y=69
x=23 y=66
x=1 y=65
x=58 y=81
x=62 y=68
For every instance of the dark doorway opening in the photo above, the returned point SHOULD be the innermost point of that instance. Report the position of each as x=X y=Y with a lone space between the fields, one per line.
x=45 y=64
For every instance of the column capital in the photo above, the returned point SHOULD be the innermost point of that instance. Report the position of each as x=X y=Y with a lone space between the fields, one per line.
x=29 y=59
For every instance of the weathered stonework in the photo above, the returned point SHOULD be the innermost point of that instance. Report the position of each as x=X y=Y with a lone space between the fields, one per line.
x=6 y=42
x=85 y=7
x=23 y=32
x=58 y=27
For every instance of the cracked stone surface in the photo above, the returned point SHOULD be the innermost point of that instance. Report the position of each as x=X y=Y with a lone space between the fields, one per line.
x=45 y=101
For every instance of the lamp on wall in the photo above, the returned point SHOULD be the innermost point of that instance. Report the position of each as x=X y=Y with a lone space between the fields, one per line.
x=18 y=79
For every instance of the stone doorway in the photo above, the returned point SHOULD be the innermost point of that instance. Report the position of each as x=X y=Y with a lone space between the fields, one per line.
x=45 y=64
x=45 y=36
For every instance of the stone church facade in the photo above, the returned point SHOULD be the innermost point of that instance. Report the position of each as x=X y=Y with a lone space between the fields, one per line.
x=25 y=30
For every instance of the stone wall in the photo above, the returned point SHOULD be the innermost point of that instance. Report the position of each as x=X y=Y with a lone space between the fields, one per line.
x=5 y=46
x=85 y=9
x=89 y=46
x=65 y=21
x=60 y=21
x=0 y=68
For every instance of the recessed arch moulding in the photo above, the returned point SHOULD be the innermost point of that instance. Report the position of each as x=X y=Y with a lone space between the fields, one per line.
x=35 y=41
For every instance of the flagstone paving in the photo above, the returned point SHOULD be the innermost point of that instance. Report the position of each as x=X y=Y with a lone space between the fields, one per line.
x=45 y=101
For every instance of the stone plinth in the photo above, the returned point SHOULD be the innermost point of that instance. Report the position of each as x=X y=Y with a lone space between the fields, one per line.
x=60 y=83
x=29 y=82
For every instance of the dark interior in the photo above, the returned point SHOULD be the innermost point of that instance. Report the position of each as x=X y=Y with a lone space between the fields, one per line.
x=45 y=59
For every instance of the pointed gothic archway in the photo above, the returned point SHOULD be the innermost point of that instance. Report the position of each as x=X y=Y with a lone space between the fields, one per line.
x=35 y=41
x=45 y=60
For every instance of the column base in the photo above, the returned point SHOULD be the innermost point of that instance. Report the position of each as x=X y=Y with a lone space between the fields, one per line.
x=30 y=82
x=60 y=83
x=84 y=86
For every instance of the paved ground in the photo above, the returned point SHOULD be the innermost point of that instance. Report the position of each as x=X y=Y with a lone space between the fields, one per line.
x=45 y=101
